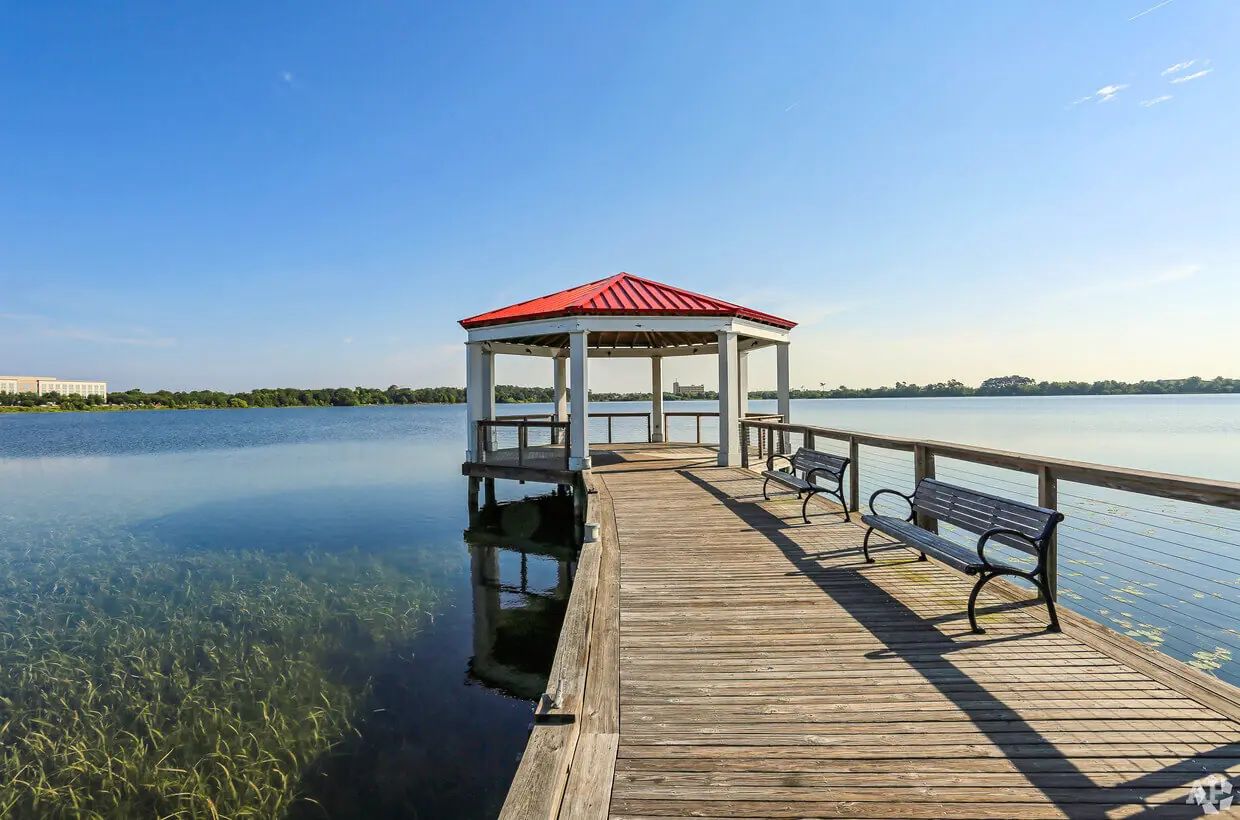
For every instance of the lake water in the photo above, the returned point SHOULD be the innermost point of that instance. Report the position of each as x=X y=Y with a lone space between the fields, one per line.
x=248 y=604
x=192 y=546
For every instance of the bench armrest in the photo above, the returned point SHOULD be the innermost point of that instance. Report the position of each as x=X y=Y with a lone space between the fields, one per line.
x=1037 y=544
x=907 y=498
x=809 y=475
x=770 y=460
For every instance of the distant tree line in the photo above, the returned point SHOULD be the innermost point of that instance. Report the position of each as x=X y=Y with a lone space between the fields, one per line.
x=1017 y=386
x=513 y=394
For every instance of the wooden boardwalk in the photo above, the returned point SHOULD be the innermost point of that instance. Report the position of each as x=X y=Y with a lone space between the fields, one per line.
x=764 y=670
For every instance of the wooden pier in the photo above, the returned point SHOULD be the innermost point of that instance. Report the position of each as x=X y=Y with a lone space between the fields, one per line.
x=721 y=659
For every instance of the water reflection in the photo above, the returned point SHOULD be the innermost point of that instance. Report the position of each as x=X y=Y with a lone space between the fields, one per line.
x=522 y=561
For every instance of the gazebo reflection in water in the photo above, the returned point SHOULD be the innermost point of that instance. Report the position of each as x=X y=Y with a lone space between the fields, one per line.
x=522 y=559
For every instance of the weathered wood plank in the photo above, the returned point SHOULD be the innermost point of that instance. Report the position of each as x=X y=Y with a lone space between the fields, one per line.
x=766 y=672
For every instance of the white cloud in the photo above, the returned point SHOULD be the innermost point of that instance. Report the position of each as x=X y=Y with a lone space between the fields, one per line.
x=288 y=77
x=46 y=328
x=1178 y=67
x=1155 y=101
x=1142 y=282
x=347 y=340
x=1195 y=75
x=1104 y=94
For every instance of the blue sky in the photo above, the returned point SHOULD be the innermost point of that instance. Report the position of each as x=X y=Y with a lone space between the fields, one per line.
x=235 y=195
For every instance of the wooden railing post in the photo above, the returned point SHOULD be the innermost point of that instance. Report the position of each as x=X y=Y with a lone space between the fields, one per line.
x=744 y=444
x=807 y=438
x=698 y=419
x=609 y=429
x=854 y=476
x=649 y=430
x=522 y=441
x=1048 y=496
x=923 y=467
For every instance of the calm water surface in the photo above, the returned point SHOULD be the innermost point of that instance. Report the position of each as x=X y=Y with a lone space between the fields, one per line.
x=370 y=497
x=302 y=520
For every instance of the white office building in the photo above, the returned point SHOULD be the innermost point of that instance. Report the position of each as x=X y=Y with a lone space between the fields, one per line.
x=42 y=385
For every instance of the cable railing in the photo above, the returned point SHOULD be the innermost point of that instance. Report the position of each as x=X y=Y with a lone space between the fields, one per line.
x=522 y=442
x=690 y=427
x=1155 y=556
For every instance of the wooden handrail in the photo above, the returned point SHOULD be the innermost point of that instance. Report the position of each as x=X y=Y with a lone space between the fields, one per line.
x=1197 y=490
x=697 y=417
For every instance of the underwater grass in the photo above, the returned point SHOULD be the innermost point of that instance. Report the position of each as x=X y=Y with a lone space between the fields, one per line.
x=137 y=682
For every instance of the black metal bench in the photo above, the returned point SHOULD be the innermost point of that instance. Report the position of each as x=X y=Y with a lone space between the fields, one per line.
x=1025 y=527
x=810 y=464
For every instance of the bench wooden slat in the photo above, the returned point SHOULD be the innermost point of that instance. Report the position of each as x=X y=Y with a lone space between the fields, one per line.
x=812 y=466
x=977 y=513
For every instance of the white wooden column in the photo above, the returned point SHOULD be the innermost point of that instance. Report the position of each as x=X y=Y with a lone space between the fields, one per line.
x=742 y=382
x=781 y=381
x=729 y=401
x=475 y=407
x=656 y=398
x=488 y=384
x=579 y=420
x=560 y=382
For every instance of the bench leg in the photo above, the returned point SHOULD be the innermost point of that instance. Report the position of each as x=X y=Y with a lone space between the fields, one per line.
x=805 y=505
x=981 y=582
x=839 y=492
x=865 y=546
x=764 y=494
x=1050 y=605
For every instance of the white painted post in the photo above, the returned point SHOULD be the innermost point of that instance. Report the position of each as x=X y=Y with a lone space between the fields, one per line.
x=474 y=407
x=488 y=384
x=742 y=382
x=781 y=381
x=656 y=398
x=579 y=419
x=560 y=381
x=729 y=401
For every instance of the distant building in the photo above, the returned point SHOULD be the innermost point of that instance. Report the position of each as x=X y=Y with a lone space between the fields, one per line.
x=42 y=385
x=688 y=389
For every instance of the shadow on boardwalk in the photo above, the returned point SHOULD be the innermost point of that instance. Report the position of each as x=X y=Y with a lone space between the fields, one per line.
x=919 y=642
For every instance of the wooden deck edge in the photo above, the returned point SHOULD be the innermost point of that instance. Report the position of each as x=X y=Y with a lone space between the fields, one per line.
x=1206 y=689
x=567 y=768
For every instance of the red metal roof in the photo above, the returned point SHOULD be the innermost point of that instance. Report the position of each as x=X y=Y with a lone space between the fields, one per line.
x=621 y=295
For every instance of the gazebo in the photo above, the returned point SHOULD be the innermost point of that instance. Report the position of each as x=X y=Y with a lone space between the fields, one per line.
x=623 y=316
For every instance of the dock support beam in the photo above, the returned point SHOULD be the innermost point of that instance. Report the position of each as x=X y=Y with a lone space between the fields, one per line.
x=656 y=398
x=781 y=382
x=579 y=419
x=729 y=401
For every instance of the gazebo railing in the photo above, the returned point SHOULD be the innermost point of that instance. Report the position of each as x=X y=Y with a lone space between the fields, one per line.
x=696 y=415
x=522 y=442
x=627 y=415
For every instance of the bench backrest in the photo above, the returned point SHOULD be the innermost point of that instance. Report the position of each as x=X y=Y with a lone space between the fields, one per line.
x=978 y=512
x=807 y=459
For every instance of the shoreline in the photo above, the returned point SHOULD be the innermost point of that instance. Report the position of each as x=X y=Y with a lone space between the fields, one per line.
x=113 y=408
